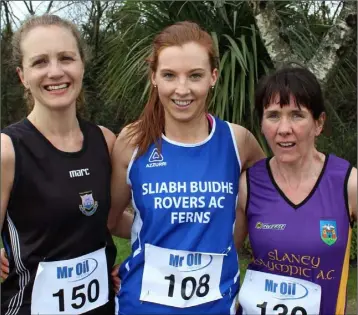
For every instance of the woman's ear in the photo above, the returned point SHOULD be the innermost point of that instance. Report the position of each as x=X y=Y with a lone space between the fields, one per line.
x=214 y=77
x=320 y=123
x=20 y=73
x=153 y=79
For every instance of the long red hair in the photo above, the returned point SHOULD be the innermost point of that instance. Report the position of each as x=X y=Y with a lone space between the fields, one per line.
x=149 y=127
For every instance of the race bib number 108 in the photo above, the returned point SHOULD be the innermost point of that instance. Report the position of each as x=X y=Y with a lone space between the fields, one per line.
x=72 y=286
x=180 y=278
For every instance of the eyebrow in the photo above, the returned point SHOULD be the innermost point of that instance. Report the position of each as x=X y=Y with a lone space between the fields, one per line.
x=197 y=69
x=269 y=111
x=37 y=57
x=192 y=70
x=45 y=55
x=275 y=111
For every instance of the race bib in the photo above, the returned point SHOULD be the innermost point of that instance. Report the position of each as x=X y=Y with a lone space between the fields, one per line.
x=72 y=286
x=264 y=293
x=180 y=278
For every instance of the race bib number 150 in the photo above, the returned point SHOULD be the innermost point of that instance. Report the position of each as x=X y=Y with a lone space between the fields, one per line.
x=72 y=286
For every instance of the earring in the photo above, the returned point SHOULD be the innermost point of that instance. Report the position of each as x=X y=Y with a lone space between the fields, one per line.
x=155 y=86
x=213 y=87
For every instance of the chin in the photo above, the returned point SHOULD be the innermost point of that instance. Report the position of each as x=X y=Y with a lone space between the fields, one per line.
x=59 y=102
x=287 y=158
x=183 y=116
x=59 y=105
x=186 y=115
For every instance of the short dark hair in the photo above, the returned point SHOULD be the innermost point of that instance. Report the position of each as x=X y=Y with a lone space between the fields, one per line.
x=296 y=81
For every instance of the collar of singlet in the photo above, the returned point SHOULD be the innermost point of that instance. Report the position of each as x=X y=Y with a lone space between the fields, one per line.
x=210 y=125
x=83 y=128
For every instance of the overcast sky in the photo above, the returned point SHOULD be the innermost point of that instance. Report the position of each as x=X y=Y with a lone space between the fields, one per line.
x=40 y=7
x=59 y=8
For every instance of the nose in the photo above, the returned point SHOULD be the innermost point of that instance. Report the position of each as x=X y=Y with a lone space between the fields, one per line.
x=182 y=87
x=284 y=127
x=55 y=70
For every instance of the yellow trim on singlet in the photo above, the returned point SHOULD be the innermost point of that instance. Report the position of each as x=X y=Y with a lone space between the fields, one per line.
x=342 y=292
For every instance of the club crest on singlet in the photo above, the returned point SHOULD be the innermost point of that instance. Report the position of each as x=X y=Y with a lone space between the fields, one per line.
x=89 y=205
x=328 y=230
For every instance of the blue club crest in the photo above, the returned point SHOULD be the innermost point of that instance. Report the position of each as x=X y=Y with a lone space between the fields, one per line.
x=89 y=205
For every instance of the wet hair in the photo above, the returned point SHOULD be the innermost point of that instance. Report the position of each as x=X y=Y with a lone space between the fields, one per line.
x=150 y=125
x=45 y=20
x=298 y=82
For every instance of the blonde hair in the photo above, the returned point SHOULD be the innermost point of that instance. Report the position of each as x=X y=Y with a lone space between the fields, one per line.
x=46 y=20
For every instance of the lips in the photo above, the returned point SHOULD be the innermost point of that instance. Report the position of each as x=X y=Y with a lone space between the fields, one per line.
x=56 y=87
x=182 y=103
x=286 y=144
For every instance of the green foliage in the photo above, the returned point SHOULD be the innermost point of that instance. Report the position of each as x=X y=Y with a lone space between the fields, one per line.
x=242 y=55
x=123 y=249
x=246 y=248
x=353 y=252
x=243 y=58
x=13 y=106
x=340 y=140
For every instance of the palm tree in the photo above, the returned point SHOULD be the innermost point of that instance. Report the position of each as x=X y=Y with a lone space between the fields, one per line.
x=242 y=54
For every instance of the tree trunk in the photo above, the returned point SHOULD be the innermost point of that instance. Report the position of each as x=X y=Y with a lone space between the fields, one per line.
x=336 y=43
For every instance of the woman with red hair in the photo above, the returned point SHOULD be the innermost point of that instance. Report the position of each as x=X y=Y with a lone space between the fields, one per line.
x=181 y=167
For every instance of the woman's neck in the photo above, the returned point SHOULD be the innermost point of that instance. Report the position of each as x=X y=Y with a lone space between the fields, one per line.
x=58 y=123
x=193 y=131
x=293 y=174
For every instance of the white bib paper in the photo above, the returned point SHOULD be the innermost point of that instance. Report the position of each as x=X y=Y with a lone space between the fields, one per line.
x=72 y=286
x=265 y=293
x=180 y=278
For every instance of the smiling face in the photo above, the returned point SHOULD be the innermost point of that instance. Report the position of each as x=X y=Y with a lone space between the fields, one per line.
x=183 y=79
x=52 y=66
x=289 y=130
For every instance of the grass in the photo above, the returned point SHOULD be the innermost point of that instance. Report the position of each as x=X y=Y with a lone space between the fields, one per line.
x=123 y=249
x=352 y=284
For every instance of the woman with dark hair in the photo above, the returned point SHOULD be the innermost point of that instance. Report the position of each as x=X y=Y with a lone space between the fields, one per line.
x=299 y=205
x=181 y=166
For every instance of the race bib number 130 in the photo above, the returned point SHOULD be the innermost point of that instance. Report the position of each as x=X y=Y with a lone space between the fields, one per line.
x=180 y=278
x=72 y=286
x=263 y=293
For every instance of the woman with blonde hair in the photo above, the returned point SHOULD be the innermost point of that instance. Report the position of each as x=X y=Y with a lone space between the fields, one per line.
x=55 y=178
